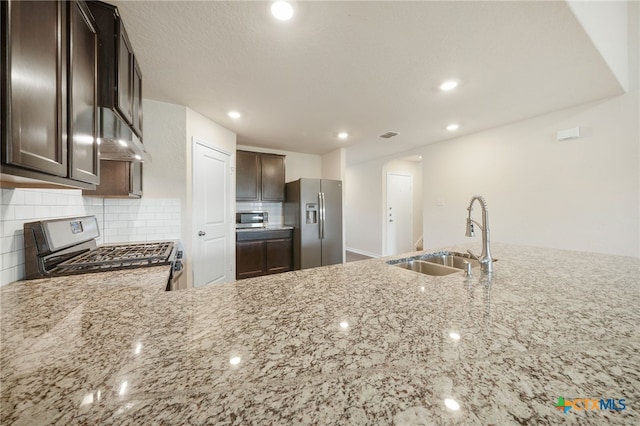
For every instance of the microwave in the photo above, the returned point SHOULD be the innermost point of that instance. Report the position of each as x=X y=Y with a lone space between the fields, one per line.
x=252 y=219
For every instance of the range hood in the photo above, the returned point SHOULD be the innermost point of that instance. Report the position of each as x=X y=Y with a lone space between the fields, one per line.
x=117 y=140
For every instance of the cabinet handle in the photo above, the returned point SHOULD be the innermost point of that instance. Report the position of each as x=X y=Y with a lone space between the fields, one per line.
x=202 y=234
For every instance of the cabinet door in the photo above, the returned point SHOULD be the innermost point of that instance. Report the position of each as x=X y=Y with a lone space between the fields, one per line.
x=118 y=179
x=247 y=176
x=137 y=99
x=124 y=69
x=83 y=96
x=272 y=177
x=279 y=255
x=34 y=87
x=135 y=179
x=250 y=259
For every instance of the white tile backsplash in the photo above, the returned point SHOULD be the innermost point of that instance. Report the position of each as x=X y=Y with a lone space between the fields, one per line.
x=120 y=220
x=146 y=219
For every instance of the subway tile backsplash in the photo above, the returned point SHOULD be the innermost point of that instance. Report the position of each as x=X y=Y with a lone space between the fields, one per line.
x=146 y=219
x=120 y=220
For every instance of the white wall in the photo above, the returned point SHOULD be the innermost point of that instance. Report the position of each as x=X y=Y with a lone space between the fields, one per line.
x=334 y=164
x=581 y=194
x=165 y=127
x=297 y=165
x=606 y=24
x=363 y=208
x=168 y=136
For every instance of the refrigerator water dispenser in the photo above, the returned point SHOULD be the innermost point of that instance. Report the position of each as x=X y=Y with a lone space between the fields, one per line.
x=312 y=213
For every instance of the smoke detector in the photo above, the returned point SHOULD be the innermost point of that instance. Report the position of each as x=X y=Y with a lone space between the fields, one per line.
x=389 y=135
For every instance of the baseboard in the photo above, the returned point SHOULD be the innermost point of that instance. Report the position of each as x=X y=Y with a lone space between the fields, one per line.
x=362 y=252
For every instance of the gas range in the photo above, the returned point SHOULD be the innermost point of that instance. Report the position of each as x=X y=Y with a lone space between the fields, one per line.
x=60 y=247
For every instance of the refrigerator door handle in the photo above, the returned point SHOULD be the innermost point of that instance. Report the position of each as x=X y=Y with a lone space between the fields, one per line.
x=321 y=213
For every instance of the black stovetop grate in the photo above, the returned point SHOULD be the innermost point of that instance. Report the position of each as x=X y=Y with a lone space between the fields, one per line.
x=119 y=257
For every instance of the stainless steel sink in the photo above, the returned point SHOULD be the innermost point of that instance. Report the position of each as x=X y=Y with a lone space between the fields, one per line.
x=438 y=264
x=455 y=260
x=427 y=267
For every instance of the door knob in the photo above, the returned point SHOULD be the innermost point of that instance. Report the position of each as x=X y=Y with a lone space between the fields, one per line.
x=202 y=234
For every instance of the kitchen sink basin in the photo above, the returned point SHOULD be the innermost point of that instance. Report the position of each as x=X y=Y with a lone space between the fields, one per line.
x=427 y=267
x=437 y=264
x=455 y=260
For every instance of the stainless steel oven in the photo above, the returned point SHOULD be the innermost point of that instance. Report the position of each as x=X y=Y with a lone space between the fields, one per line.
x=68 y=246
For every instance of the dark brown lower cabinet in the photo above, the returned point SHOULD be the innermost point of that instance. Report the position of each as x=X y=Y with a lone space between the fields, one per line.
x=263 y=253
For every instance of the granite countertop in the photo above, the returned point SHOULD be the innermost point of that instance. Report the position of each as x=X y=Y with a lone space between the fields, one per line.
x=268 y=228
x=360 y=343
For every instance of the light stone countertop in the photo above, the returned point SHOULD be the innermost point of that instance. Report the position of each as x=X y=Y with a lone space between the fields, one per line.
x=268 y=228
x=360 y=343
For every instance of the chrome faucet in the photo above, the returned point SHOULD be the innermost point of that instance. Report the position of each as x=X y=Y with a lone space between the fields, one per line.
x=485 y=259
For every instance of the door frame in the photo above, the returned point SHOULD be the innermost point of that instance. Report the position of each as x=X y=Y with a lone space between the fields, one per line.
x=230 y=273
x=385 y=224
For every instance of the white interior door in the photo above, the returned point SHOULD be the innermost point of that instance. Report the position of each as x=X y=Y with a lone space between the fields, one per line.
x=399 y=214
x=211 y=216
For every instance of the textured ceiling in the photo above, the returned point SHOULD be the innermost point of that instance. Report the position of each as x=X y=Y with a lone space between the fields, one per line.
x=364 y=67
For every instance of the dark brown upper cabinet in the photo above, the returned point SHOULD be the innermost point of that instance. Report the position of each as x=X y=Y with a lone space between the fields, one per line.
x=120 y=76
x=272 y=169
x=118 y=179
x=247 y=176
x=49 y=94
x=124 y=72
x=83 y=95
x=259 y=176
x=137 y=99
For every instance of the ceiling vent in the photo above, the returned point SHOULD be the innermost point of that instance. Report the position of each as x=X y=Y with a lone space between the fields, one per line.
x=389 y=135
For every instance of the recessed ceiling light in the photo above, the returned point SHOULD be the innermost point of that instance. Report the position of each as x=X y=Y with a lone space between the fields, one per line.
x=282 y=10
x=234 y=114
x=453 y=127
x=343 y=135
x=449 y=85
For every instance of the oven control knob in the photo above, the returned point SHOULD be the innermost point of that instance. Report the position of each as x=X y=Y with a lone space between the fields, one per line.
x=202 y=234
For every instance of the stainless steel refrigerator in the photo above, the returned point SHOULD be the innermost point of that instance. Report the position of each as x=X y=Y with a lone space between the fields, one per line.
x=314 y=208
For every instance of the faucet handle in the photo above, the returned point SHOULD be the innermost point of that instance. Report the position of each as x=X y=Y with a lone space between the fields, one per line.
x=473 y=255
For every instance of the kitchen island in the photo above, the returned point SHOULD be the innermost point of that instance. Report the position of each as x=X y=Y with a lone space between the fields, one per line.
x=359 y=343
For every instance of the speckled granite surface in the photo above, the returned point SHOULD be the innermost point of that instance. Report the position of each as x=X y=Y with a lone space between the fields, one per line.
x=361 y=343
x=268 y=228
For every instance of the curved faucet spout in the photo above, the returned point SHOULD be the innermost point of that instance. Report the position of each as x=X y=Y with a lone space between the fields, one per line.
x=485 y=258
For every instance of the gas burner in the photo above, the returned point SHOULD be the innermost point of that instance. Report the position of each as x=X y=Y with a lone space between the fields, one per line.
x=117 y=257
